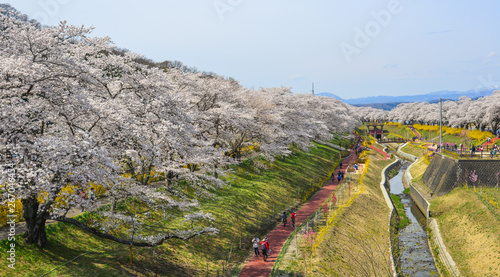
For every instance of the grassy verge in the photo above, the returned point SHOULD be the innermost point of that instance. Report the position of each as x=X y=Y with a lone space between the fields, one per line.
x=258 y=189
x=417 y=170
x=398 y=131
x=471 y=231
x=403 y=220
x=374 y=153
x=414 y=150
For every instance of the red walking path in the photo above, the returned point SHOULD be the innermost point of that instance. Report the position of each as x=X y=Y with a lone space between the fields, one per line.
x=416 y=133
x=493 y=141
x=386 y=156
x=256 y=266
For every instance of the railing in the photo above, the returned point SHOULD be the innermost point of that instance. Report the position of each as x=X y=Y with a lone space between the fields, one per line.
x=392 y=140
x=486 y=153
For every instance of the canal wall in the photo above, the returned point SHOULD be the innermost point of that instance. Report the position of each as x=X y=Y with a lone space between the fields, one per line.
x=404 y=155
x=438 y=248
x=422 y=203
x=445 y=173
x=393 y=216
x=442 y=258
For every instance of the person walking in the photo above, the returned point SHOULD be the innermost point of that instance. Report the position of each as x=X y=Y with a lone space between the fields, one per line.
x=92 y=196
x=293 y=215
x=82 y=195
x=264 y=246
x=256 y=244
x=283 y=218
x=268 y=246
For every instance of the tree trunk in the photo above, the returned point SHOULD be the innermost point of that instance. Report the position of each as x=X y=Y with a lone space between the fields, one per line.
x=35 y=222
x=114 y=205
x=169 y=177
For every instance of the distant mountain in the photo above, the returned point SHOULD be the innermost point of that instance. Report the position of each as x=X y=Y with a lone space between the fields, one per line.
x=429 y=97
x=327 y=94
x=381 y=106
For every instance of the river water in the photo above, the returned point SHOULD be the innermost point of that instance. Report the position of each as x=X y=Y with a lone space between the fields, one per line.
x=415 y=256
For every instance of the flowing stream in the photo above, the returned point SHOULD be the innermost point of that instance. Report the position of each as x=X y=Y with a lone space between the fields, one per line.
x=415 y=256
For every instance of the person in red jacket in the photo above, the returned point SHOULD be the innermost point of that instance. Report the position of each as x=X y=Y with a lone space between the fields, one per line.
x=293 y=218
x=264 y=246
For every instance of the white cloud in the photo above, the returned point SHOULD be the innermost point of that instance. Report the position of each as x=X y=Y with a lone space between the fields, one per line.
x=491 y=54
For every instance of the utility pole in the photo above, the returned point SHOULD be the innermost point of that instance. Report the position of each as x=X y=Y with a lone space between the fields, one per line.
x=313 y=89
x=441 y=125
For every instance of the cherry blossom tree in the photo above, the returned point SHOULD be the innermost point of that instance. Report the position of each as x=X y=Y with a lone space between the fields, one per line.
x=87 y=114
x=77 y=114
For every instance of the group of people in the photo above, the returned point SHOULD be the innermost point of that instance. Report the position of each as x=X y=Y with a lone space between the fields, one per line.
x=83 y=195
x=340 y=176
x=284 y=217
x=262 y=245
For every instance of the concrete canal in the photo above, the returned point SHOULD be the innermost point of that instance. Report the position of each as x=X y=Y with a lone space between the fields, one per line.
x=415 y=256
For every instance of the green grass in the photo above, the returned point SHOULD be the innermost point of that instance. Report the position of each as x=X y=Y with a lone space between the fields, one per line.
x=471 y=230
x=403 y=219
x=414 y=150
x=401 y=131
x=417 y=170
x=428 y=134
x=242 y=211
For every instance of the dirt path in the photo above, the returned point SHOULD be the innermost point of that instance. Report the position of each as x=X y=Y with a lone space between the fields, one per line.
x=256 y=266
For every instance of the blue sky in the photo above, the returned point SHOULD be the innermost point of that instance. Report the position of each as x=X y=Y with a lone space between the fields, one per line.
x=350 y=48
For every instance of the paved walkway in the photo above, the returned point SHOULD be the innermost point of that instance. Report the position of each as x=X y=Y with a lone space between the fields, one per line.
x=493 y=140
x=256 y=267
x=416 y=133
x=386 y=156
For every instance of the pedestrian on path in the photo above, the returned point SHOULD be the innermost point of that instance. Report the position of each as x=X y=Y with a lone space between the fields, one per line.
x=256 y=243
x=82 y=195
x=283 y=217
x=293 y=218
x=340 y=165
x=264 y=246
x=92 y=196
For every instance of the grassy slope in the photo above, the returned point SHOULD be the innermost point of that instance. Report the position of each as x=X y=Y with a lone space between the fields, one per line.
x=413 y=150
x=401 y=131
x=470 y=226
x=418 y=169
x=362 y=225
x=470 y=231
x=239 y=211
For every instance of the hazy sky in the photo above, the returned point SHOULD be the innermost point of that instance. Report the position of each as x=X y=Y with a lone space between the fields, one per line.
x=350 y=48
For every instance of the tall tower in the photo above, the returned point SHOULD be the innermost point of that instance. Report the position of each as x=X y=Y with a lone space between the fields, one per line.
x=313 y=89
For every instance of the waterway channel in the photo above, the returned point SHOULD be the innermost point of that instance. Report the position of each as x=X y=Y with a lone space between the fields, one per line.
x=415 y=256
